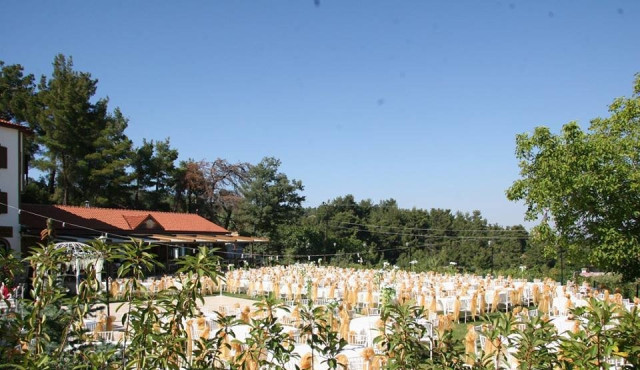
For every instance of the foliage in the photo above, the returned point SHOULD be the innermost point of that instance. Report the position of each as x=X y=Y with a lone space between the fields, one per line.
x=534 y=338
x=153 y=165
x=84 y=147
x=404 y=336
x=267 y=336
x=270 y=200
x=596 y=342
x=16 y=92
x=46 y=333
x=9 y=268
x=363 y=233
x=584 y=185
x=213 y=188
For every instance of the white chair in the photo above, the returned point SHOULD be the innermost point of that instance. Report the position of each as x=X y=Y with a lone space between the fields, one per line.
x=429 y=337
x=527 y=297
x=482 y=340
x=109 y=336
x=465 y=308
x=358 y=339
x=505 y=300
x=356 y=363
x=5 y=307
x=374 y=311
x=90 y=325
x=616 y=362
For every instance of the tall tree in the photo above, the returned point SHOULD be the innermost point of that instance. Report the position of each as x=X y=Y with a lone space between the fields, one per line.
x=141 y=163
x=154 y=167
x=17 y=102
x=107 y=181
x=585 y=187
x=270 y=199
x=72 y=129
x=163 y=166
x=189 y=186
x=16 y=93
x=223 y=181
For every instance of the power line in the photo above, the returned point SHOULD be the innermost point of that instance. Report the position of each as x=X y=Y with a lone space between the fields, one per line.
x=496 y=237
x=431 y=229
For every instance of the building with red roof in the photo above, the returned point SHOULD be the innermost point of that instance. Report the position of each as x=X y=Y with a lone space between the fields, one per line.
x=172 y=233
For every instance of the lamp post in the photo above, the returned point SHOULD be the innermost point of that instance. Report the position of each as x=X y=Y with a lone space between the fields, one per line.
x=103 y=239
x=490 y=246
x=408 y=247
x=561 y=266
x=522 y=268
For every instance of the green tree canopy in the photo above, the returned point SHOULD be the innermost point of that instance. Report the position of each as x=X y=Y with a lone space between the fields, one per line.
x=84 y=148
x=271 y=200
x=17 y=101
x=585 y=187
x=154 y=167
x=16 y=92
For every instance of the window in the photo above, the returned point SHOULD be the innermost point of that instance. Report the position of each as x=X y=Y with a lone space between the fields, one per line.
x=3 y=156
x=4 y=245
x=4 y=200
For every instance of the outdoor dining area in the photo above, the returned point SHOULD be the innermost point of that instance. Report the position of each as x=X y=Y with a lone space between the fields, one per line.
x=354 y=299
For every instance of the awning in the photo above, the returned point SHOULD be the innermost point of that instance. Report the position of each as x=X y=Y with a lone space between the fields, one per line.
x=168 y=238
x=201 y=238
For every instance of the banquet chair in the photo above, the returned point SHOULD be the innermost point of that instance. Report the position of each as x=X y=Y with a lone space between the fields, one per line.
x=374 y=311
x=5 y=307
x=482 y=341
x=429 y=337
x=465 y=308
x=358 y=339
x=505 y=300
x=109 y=336
x=616 y=363
x=356 y=363
x=527 y=297
x=90 y=325
x=196 y=333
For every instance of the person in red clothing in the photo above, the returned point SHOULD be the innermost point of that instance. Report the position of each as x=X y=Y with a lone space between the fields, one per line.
x=4 y=290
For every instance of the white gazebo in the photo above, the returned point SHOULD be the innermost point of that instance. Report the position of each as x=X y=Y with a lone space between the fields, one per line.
x=81 y=257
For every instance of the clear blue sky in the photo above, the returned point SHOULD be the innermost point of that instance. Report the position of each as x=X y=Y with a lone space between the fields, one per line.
x=419 y=101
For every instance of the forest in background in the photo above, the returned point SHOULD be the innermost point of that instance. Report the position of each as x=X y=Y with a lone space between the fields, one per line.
x=82 y=153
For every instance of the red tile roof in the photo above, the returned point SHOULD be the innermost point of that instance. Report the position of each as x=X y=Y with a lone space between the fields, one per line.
x=16 y=126
x=115 y=220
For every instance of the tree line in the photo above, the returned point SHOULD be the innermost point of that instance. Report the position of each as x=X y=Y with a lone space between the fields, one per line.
x=82 y=152
x=581 y=186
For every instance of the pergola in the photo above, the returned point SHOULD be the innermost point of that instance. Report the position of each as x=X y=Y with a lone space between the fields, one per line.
x=81 y=257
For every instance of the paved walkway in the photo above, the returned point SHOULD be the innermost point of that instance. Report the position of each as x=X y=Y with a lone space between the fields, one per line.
x=211 y=303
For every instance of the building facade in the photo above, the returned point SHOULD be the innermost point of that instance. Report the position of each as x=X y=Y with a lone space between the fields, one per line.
x=12 y=179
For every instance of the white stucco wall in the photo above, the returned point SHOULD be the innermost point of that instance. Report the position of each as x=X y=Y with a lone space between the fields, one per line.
x=10 y=182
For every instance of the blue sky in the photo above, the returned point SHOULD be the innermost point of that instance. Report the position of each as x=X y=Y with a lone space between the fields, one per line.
x=419 y=101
